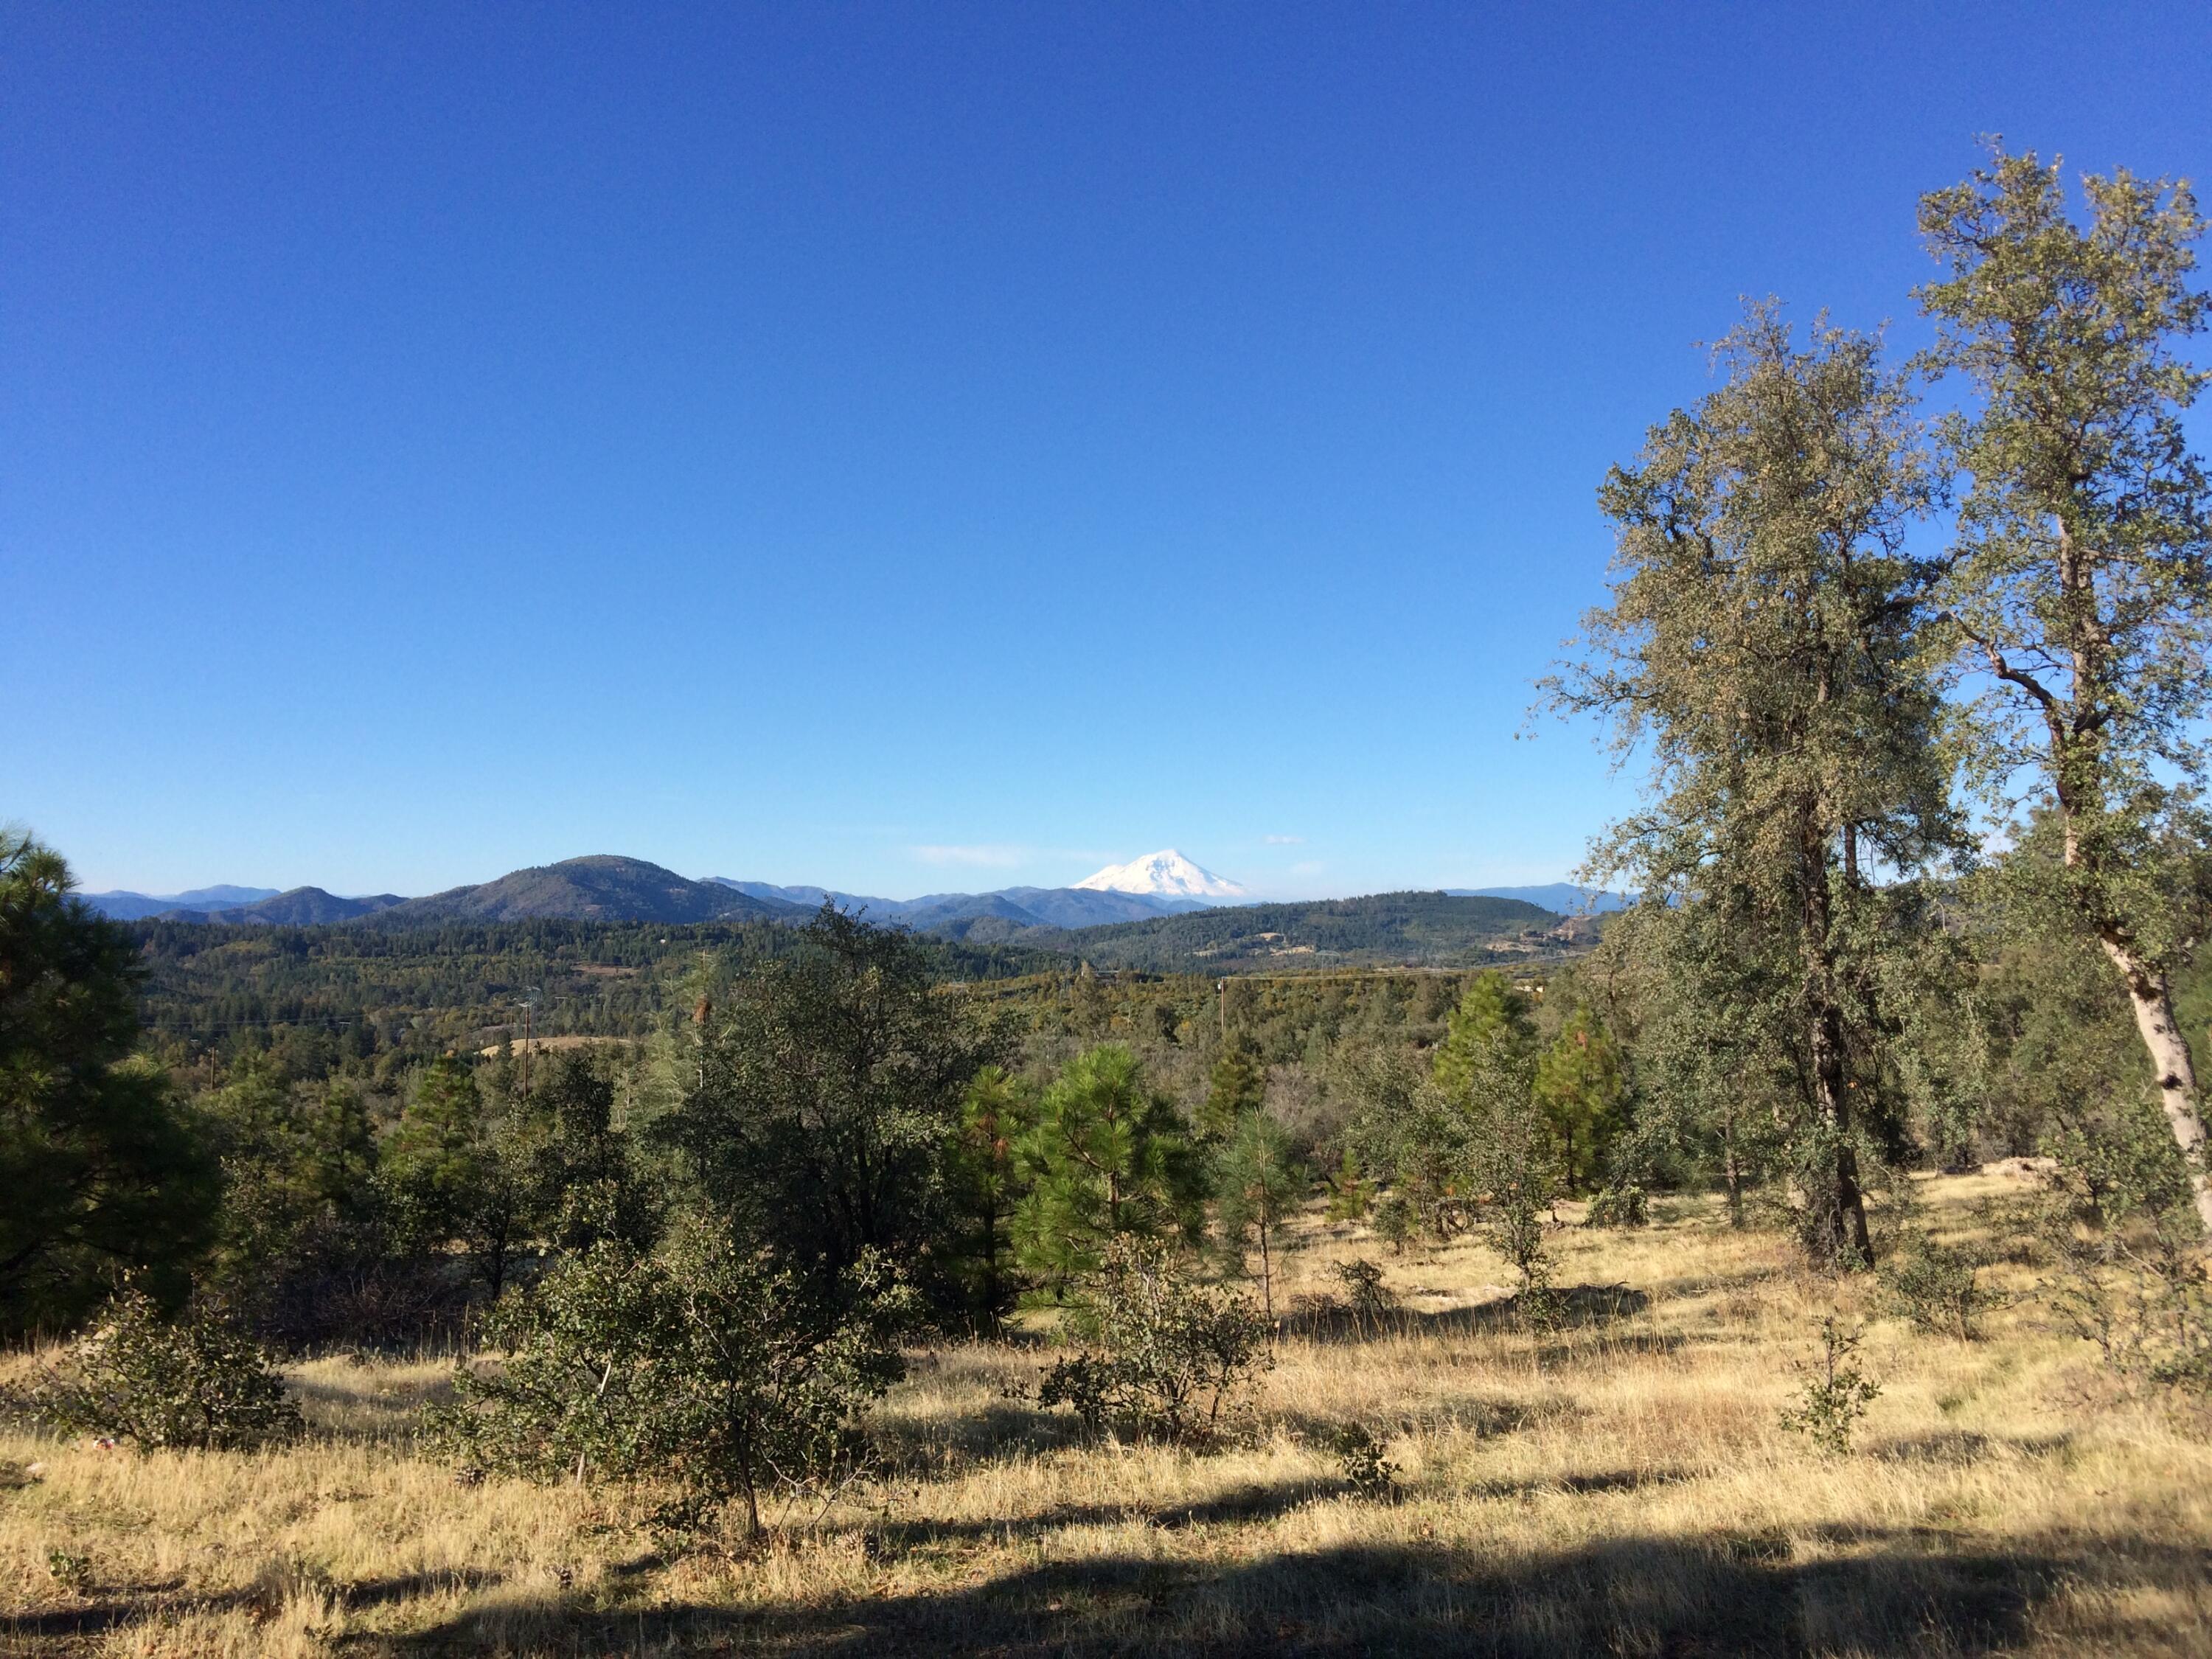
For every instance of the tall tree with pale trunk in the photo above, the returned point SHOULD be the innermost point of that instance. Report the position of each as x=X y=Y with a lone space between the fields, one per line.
x=2077 y=591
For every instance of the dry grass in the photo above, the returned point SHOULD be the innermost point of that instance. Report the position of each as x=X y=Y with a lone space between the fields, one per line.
x=1618 y=1487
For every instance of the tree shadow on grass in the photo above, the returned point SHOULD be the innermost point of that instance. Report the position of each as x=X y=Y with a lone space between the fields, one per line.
x=1580 y=1306
x=1900 y=1597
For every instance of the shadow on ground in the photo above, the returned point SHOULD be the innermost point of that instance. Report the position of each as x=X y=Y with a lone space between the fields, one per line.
x=1900 y=1595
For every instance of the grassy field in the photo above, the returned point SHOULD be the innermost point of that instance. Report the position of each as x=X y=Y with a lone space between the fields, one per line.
x=1619 y=1487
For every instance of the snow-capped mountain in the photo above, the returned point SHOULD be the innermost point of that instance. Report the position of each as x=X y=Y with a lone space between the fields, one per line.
x=1168 y=874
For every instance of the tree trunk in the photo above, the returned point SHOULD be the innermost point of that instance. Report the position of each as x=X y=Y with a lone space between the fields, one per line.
x=1267 y=1279
x=2152 y=1000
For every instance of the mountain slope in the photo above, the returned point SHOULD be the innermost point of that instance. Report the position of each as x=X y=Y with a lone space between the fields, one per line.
x=1383 y=929
x=1167 y=873
x=124 y=906
x=303 y=907
x=602 y=887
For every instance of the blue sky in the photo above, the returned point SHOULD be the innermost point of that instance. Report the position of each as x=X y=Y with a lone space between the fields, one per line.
x=904 y=448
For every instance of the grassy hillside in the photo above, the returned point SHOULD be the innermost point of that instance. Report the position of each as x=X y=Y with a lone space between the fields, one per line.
x=1620 y=1486
x=1383 y=929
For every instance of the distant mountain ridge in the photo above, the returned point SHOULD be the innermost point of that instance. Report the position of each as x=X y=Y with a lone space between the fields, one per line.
x=122 y=906
x=1566 y=898
x=600 y=887
x=1035 y=907
x=303 y=907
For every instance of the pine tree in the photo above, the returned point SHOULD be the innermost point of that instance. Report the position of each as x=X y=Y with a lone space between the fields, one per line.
x=1583 y=1093
x=1106 y=1155
x=1258 y=1182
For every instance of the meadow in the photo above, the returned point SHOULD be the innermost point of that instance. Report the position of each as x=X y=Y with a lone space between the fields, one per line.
x=1618 y=1485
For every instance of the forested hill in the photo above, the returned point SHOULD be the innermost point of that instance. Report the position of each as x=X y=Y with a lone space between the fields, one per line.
x=390 y=996
x=600 y=888
x=1381 y=930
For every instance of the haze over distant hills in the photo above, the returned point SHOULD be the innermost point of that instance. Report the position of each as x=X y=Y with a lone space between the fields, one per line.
x=1114 y=916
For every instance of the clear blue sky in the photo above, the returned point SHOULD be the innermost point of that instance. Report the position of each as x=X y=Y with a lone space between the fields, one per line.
x=904 y=448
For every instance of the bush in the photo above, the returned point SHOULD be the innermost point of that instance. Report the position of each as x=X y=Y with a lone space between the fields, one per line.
x=198 y=1382
x=1166 y=1351
x=1359 y=1454
x=1835 y=1396
x=1370 y=1301
x=706 y=1365
x=1938 y=1287
x=2139 y=1292
x=1622 y=1206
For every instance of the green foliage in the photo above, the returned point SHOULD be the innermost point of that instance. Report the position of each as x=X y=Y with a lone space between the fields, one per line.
x=102 y=1174
x=1938 y=1287
x=1581 y=1084
x=196 y=1382
x=1360 y=1454
x=1351 y=1194
x=1106 y=1156
x=1621 y=1205
x=1490 y=1015
x=576 y=1166
x=1258 y=1180
x=1836 y=1393
x=986 y=1184
x=1368 y=1298
x=1165 y=1352
x=828 y=1089
x=2075 y=591
x=707 y=1367
x=1237 y=1089
x=1765 y=646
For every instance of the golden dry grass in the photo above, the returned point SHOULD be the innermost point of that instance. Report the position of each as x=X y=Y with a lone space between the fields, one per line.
x=1621 y=1487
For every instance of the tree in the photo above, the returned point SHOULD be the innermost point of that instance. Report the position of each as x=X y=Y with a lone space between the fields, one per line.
x=1258 y=1182
x=829 y=1083
x=1236 y=1088
x=451 y=1179
x=707 y=1364
x=101 y=1173
x=1106 y=1155
x=2077 y=588
x=577 y=1164
x=987 y=1183
x=1763 y=645
x=1489 y=1013
x=1583 y=1093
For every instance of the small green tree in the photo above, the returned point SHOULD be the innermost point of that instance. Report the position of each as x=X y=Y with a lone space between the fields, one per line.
x=1163 y=1346
x=707 y=1365
x=195 y=1382
x=986 y=1183
x=1491 y=1014
x=1236 y=1088
x=454 y=1175
x=1258 y=1180
x=1106 y=1155
x=1581 y=1087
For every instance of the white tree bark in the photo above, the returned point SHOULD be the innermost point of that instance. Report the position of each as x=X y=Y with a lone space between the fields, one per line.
x=2152 y=999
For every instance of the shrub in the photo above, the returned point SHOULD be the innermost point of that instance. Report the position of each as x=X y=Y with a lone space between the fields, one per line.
x=196 y=1382
x=706 y=1365
x=1621 y=1205
x=2140 y=1293
x=1938 y=1287
x=1370 y=1301
x=1835 y=1396
x=1359 y=1454
x=1166 y=1352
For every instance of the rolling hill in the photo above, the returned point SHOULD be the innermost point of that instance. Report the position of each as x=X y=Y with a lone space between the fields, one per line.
x=303 y=907
x=1383 y=929
x=601 y=887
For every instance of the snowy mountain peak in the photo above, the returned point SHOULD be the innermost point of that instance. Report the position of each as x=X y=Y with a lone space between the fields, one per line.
x=1167 y=873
